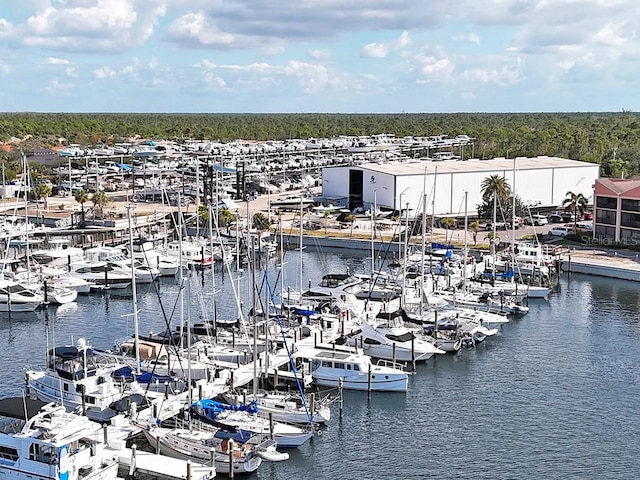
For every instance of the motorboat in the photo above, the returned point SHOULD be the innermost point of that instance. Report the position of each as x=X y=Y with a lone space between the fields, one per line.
x=18 y=297
x=385 y=336
x=189 y=253
x=40 y=440
x=76 y=379
x=145 y=254
x=144 y=273
x=333 y=367
x=58 y=277
x=60 y=250
x=102 y=274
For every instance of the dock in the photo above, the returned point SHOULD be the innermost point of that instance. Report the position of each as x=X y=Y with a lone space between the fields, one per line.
x=603 y=263
x=138 y=461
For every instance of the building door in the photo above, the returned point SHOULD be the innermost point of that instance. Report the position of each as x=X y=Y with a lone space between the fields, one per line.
x=355 y=189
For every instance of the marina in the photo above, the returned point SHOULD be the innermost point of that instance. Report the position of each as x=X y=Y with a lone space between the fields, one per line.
x=514 y=389
x=177 y=339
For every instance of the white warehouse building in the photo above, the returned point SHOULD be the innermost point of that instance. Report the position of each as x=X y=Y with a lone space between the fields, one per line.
x=541 y=182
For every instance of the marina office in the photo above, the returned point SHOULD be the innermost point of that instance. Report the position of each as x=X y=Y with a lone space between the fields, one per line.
x=540 y=182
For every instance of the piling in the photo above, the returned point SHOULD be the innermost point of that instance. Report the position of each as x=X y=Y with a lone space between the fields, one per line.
x=230 y=444
x=413 y=354
x=369 y=384
x=340 y=390
x=271 y=425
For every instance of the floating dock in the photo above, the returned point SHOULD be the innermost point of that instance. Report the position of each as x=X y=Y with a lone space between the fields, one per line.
x=148 y=463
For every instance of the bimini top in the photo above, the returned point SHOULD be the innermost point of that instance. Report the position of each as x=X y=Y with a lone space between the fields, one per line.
x=20 y=408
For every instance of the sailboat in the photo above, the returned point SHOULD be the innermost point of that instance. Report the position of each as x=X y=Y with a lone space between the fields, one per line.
x=204 y=447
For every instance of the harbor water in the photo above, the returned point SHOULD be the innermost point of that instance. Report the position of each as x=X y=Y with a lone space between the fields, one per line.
x=553 y=395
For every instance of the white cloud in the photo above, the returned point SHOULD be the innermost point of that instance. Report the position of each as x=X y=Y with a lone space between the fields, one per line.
x=468 y=37
x=320 y=54
x=434 y=68
x=205 y=64
x=403 y=41
x=89 y=25
x=104 y=72
x=196 y=29
x=375 y=50
x=56 y=61
x=55 y=86
x=213 y=80
x=71 y=71
x=504 y=76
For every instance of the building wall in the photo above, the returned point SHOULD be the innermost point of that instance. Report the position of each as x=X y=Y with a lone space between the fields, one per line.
x=538 y=187
x=617 y=213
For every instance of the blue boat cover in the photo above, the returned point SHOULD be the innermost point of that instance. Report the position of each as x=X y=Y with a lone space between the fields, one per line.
x=211 y=408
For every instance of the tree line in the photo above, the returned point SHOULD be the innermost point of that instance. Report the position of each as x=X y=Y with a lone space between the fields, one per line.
x=611 y=140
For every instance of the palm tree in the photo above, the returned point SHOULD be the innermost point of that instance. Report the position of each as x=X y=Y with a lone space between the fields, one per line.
x=43 y=190
x=474 y=226
x=81 y=197
x=260 y=221
x=325 y=220
x=350 y=219
x=495 y=188
x=100 y=200
x=447 y=223
x=576 y=203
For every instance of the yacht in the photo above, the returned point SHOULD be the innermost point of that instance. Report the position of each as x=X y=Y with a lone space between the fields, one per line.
x=386 y=337
x=60 y=250
x=101 y=274
x=353 y=370
x=17 y=297
x=144 y=273
x=42 y=441
x=76 y=379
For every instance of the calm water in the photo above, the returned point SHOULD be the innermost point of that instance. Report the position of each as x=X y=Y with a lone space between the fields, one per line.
x=553 y=395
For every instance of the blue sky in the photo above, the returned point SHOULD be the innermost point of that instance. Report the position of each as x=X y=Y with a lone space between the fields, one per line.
x=364 y=56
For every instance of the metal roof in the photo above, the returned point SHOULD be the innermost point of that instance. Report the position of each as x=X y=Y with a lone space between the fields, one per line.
x=472 y=165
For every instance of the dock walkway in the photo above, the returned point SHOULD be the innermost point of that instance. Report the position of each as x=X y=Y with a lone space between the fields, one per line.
x=604 y=263
x=138 y=461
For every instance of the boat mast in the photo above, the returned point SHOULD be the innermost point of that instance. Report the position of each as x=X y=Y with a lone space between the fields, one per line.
x=466 y=226
x=136 y=345
x=513 y=223
x=300 y=245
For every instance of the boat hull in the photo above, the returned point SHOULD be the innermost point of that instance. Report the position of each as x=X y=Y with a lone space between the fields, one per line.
x=392 y=382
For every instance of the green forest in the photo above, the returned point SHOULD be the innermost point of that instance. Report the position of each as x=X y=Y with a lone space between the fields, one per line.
x=609 y=139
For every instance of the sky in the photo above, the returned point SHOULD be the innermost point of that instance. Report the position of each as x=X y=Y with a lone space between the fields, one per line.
x=319 y=56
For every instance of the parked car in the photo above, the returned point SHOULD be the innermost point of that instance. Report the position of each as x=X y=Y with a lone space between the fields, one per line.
x=585 y=226
x=561 y=231
x=499 y=226
x=537 y=220
x=555 y=218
